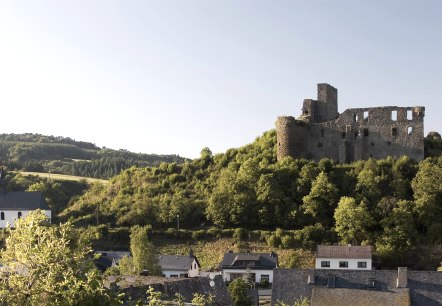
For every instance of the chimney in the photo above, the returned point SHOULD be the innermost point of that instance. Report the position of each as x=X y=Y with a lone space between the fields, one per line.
x=402 y=277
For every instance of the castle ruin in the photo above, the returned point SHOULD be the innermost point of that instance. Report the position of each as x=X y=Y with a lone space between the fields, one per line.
x=356 y=134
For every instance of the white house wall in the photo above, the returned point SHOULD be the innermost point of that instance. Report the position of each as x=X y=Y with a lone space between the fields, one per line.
x=12 y=215
x=352 y=263
x=194 y=271
x=226 y=274
x=169 y=273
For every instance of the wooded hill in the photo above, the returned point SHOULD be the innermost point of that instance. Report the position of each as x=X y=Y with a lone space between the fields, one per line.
x=39 y=153
x=394 y=204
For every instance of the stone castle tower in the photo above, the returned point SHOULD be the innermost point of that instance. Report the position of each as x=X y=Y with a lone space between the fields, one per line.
x=358 y=133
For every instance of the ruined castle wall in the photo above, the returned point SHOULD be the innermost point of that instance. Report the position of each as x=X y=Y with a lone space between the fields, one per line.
x=357 y=134
x=385 y=131
x=328 y=98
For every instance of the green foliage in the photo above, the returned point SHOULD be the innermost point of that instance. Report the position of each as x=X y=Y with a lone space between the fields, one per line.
x=202 y=300
x=49 y=265
x=39 y=153
x=144 y=255
x=352 y=221
x=299 y=302
x=238 y=290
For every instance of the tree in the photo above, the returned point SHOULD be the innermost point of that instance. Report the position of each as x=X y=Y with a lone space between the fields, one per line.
x=46 y=264
x=144 y=255
x=399 y=232
x=352 y=221
x=238 y=290
x=321 y=201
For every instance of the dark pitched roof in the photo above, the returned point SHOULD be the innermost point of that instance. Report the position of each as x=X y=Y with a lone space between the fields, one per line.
x=343 y=251
x=174 y=262
x=262 y=260
x=23 y=201
x=424 y=287
x=356 y=297
x=135 y=287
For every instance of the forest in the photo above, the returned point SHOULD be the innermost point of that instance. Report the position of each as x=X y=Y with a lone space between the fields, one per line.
x=63 y=155
x=394 y=204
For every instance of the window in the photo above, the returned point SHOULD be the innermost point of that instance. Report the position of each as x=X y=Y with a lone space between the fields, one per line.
x=394 y=115
x=19 y=214
x=394 y=131
x=389 y=143
x=343 y=135
x=2 y=216
x=362 y=264
x=372 y=144
x=355 y=118
x=371 y=283
x=366 y=115
x=409 y=114
x=325 y=264
x=265 y=277
x=322 y=132
x=343 y=264
x=365 y=132
x=409 y=130
x=319 y=144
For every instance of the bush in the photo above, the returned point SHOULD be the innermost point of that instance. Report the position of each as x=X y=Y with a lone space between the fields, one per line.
x=287 y=241
x=274 y=241
x=239 y=234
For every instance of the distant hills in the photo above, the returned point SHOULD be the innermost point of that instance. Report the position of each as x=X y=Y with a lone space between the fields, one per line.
x=63 y=155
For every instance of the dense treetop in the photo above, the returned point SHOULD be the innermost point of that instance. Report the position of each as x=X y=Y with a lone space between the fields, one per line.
x=391 y=203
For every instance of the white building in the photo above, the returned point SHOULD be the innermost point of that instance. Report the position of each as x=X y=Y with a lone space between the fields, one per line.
x=179 y=266
x=257 y=267
x=14 y=205
x=344 y=257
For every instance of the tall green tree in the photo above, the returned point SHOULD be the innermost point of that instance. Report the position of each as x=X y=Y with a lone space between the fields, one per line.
x=321 y=202
x=239 y=292
x=352 y=221
x=46 y=264
x=144 y=254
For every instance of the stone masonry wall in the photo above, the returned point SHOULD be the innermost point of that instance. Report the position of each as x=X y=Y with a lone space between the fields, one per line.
x=356 y=134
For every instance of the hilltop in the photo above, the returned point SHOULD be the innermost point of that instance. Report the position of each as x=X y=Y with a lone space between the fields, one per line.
x=63 y=155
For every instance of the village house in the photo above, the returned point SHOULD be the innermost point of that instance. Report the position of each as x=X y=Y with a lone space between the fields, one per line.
x=179 y=266
x=257 y=267
x=15 y=205
x=345 y=257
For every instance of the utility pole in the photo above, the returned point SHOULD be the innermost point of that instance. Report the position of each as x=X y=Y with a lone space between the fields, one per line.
x=178 y=222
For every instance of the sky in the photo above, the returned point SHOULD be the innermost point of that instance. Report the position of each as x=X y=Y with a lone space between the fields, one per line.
x=175 y=76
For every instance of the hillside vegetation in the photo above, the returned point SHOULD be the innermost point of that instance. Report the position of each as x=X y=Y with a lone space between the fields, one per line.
x=39 y=153
x=394 y=204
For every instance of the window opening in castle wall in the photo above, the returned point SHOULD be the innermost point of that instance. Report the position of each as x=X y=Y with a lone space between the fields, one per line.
x=394 y=115
x=365 y=132
x=409 y=114
x=409 y=130
x=365 y=115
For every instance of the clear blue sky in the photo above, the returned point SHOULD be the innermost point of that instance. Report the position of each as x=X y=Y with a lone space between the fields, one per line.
x=176 y=76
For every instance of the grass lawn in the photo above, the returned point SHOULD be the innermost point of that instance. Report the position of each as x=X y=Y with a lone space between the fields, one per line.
x=62 y=177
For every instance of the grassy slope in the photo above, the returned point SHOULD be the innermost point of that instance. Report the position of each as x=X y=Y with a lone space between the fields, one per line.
x=61 y=177
x=210 y=252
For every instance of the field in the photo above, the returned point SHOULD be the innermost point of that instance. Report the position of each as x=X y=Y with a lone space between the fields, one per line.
x=61 y=177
